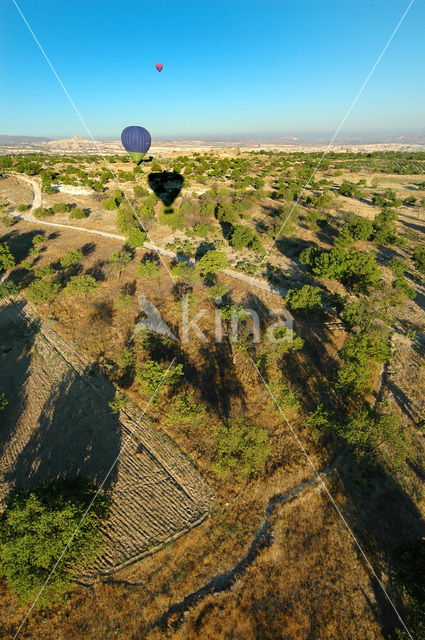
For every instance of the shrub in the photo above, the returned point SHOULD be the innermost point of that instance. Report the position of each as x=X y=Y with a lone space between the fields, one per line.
x=45 y=270
x=350 y=190
x=226 y=212
x=146 y=211
x=8 y=289
x=135 y=237
x=149 y=268
x=174 y=219
x=185 y=413
x=244 y=237
x=126 y=359
x=82 y=285
x=43 y=290
x=38 y=239
x=242 y=448
x=152 y=377
x=34 y=530
x=187 y=272
x=41 y=212
x=217 y=291
x=409 y=200
x=23 y=207
x=361 y=229
x=110 y=204
x=308 y=298
x=213 y=261
x=119 y=402
x=120 y=260
x=125 y=219
x=140 y=191
x=7 y=261
x=77 y=214
x=3 y=404
x=418 y=258
x=203 y=230
x=70 y=258
x=60 y=207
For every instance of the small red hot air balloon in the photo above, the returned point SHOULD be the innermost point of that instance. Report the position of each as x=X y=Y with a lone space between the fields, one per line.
x=159 y=66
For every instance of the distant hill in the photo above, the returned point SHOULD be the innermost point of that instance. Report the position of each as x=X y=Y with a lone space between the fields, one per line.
x=8 y=140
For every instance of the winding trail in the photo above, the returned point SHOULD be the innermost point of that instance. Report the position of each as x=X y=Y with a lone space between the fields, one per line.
x=225 y=581
x=28 y=216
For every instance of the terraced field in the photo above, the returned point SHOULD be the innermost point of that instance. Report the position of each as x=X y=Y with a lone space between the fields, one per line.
x=58 y=423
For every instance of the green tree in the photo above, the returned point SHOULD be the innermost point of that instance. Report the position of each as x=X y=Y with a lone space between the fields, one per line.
x=217 y=291
x=45 y=270
x=213 y=261
x=39 y=238
x=119 y=402
x=152 y=377
x=186 y=272
x=82 y=285
x=8 y=289
x=149 y=268
x=77 y=214
x=71 y=258
x=43 y=290
x=307 y=299
x=120 y=260
x=418 y=258
x=135 y=237
x=60 y=207
x=185 y=413
x=7 y=261
x=242 y=448
x=243 y=236
x=35 y=529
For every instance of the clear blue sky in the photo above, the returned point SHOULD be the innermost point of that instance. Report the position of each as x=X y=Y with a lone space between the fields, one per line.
x=231 y=67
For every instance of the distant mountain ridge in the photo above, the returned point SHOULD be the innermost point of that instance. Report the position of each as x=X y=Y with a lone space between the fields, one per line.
x=78 y=145
x=6 y=140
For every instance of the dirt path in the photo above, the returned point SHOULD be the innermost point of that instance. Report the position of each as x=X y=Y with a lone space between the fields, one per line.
x=174 y=615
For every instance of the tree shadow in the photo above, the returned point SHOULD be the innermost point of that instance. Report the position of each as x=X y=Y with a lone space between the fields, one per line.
x=76 y=435
x=88 y=248
x=217 y=379
x=21 y=243
x=381 y=515
x=16 y=342
x=292 y=247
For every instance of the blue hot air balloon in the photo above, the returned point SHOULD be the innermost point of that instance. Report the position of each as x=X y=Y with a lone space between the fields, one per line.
x=136 y=141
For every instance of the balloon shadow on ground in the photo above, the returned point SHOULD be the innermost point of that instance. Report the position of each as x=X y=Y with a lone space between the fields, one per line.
x=166 y=185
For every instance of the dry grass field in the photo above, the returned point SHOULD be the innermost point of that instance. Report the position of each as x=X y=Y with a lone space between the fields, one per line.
x=192 y=553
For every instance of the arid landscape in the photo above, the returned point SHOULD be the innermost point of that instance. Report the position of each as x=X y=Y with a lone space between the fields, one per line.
x=218 y=525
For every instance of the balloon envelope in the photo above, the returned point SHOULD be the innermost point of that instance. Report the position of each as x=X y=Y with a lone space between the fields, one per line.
x=159 y=66
x=137 y=141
